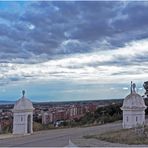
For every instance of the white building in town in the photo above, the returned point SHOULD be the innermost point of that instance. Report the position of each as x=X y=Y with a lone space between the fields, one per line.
x=133 y=109
x=23 y=116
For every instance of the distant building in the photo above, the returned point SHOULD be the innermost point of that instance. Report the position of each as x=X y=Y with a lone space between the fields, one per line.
x=45 y=118
x=133 y=109
x=63 y=113
x=23 y=116
x=72 y=111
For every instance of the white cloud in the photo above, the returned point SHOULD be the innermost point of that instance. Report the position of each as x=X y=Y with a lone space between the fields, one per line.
x=80 y=67
x=125 y=88
x=31 y=26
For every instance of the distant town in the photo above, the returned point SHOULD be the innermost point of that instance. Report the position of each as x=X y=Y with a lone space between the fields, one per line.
x=58 y=114
x=54 y=113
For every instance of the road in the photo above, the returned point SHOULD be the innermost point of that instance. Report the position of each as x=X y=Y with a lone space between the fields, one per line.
x=60 y=137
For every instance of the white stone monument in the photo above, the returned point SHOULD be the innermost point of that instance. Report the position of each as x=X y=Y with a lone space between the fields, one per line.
x=23 y=116
x=133 y=109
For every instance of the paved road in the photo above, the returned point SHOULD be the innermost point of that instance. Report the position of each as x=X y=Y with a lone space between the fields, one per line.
x=60 y=137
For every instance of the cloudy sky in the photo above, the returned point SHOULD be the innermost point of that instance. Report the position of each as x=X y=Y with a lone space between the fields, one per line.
x=72 y=50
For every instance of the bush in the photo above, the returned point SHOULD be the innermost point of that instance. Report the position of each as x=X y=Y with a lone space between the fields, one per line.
x=50 y=126
x=6 y=128
x=37 y=126
x=102 y=115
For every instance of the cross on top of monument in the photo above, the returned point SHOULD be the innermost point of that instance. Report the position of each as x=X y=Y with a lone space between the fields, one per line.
x=23 y=92
x=133 y=87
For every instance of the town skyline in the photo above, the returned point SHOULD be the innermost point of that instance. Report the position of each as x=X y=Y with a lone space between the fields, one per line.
x=70 y=51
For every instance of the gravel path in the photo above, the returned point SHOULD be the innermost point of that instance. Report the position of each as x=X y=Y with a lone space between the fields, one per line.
x=60 y=137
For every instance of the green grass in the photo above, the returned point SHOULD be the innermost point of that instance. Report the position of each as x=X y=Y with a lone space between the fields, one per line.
x=124 y=136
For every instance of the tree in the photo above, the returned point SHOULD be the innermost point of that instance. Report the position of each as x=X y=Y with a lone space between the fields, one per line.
x=145 y=85
x=103 y=115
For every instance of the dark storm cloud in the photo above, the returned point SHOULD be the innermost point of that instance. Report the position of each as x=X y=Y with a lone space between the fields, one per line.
x=94 y=23
x=137 y=17
x=127 y=73
x=137 y=60
x=9 y=15
x=43 y=27
x=15 y=78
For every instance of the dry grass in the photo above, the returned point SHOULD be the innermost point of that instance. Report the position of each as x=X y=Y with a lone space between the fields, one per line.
x=124 y=136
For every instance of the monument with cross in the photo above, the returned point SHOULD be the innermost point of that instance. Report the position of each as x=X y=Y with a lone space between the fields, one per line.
x=23 y=116
x=133 y=109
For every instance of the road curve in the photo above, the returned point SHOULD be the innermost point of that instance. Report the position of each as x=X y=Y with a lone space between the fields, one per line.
x=60 y=137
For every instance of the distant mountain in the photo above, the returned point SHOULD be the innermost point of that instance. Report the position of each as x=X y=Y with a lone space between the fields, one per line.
x=6 y=102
